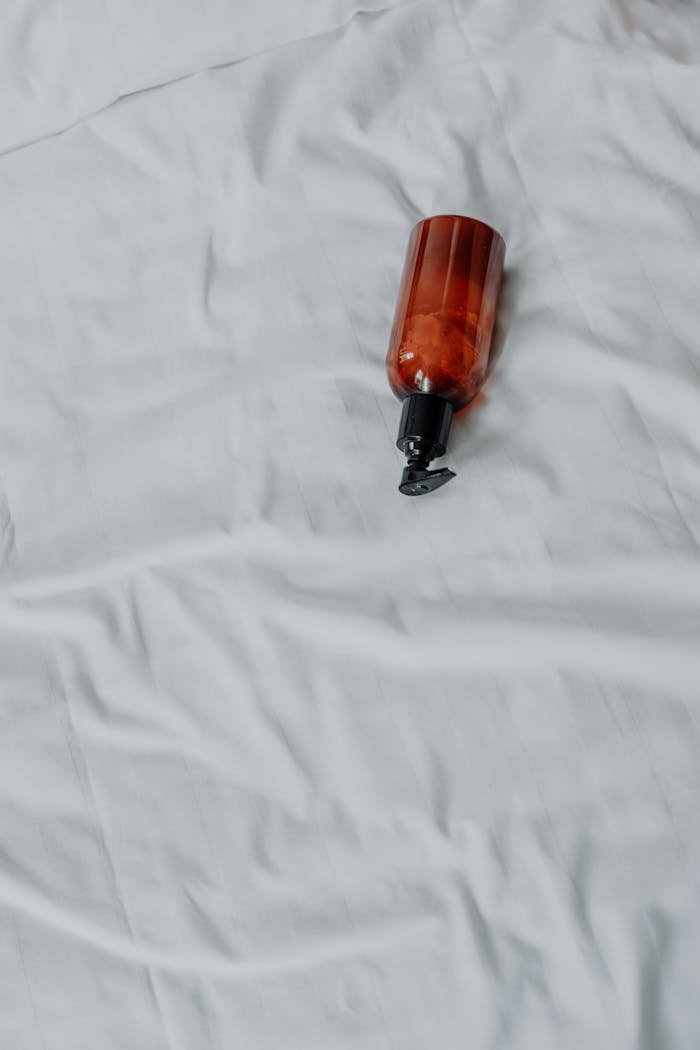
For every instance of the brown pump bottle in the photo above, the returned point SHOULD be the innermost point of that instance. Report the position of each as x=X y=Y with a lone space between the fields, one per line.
x=441 y=336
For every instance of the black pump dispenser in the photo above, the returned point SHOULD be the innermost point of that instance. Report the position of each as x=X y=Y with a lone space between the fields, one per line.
x=423 y=432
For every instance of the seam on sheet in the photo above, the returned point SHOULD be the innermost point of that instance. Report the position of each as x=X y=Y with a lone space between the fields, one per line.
x=227 y=63
x=25 y=973
x=655 y=775
x=8 y=538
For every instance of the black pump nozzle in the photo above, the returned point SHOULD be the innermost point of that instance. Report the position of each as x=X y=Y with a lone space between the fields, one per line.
x=423 y=431
x=418 y=482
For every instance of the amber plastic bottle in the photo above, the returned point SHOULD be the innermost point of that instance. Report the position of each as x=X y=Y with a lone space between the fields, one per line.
x=441 y=336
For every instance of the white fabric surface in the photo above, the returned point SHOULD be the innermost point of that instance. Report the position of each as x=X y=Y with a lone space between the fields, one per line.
x=287 y=760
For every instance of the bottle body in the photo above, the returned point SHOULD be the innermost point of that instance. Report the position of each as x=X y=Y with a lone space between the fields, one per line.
x=446 y=309
x=441 y=336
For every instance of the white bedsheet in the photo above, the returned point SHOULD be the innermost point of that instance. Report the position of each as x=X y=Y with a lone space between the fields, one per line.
x=287 y=760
